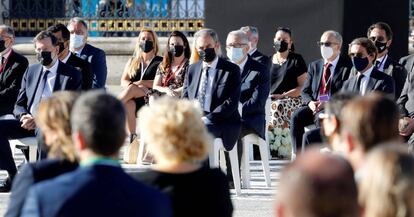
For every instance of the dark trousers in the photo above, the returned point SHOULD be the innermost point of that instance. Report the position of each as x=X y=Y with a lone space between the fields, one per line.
x=311 y=137
x=10 y=129
x=300 y=119
x=244 y=131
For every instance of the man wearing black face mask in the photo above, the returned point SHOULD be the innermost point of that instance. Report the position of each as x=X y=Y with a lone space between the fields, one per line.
x=39 y=81
x=368 y=79
x=63 y=35
x=381 y=34
x=12 y=68
x=215 y=84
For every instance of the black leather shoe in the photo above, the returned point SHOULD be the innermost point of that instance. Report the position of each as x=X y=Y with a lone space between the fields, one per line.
x=5 y=186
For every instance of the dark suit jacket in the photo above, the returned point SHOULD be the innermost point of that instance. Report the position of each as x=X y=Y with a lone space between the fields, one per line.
x=33 y=173
x=225 y=98
x=84 y=67
x=310 y=91
x=97 y=58
x=406 y=100
x=67 y=78
x=98 y=190
x=396 y=71
x=378 y=81
x=408 y=62
x=10 y=81
x=255 y=89
x=261 y=58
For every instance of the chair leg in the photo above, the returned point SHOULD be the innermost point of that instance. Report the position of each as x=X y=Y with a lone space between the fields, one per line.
x=214 y=153
x=245 y=164
x=141 y=151
x=235 y=170
x=32 y=153
x=264 y=152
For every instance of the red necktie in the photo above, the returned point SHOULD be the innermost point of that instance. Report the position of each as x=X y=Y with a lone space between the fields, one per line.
x=325 y=79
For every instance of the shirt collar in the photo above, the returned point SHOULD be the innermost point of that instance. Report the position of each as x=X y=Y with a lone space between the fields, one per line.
x=79 y=51
x=334 y=62
x=242 y=64
x=252 y=51
x=367 y=73
x=6 y=55
x=53 y=69
x=66 y=58
x=212 y=65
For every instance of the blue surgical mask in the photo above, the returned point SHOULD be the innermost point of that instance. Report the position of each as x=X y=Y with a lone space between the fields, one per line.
x=360 y=63
x=235 y=54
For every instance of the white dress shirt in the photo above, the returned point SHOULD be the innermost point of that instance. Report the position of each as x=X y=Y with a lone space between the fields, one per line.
x=333 y=65
x=66 y=58
x=51 y=80
x=211 y=74
x=242 y=64
x=364 y=80
x=251 y=52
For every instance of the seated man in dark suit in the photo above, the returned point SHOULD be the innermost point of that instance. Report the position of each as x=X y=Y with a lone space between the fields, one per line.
x=381 y=34
x=368 y=79
x=12 y=68
x=100 y=187
x=63 y=35
x=253 y=35
x=215 y=83
x=255 y=88
x=96 y=57
x=406 y=105
x=39 y=81
x=325 y=77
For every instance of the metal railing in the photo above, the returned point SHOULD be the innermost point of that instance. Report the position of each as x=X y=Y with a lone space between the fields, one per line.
x=105 y=17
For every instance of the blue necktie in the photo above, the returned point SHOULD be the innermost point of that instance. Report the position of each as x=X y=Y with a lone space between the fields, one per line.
x=203 y=88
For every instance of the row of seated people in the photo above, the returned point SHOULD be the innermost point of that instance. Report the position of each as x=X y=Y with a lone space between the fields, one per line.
x=66 y=62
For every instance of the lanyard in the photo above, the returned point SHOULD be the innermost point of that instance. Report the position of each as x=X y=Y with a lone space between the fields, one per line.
x=171 y=73
x=5 y=62
x=144 y=70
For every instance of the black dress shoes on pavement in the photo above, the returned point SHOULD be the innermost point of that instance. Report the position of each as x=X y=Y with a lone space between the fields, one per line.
x=5 y=186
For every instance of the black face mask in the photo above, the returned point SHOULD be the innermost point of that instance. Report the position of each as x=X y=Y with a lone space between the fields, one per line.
x=381 y=46
x=61 y=47
x=177 y=50
x=2 y=45
x=146 y=46
x=44 y=58
x=207 y=55
x=280 y=46
x=360 y=63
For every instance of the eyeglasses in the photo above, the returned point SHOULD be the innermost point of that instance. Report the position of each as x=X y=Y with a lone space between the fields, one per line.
x=235 y=45
x=326 y=44
x=378 y=38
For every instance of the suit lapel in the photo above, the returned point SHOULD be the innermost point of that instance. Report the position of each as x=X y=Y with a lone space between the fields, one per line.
x=338 y=70
x=371 y=81
x=245 y=72
x=33 y=89
x=318 y=75
x=217 y=77
x=60 y=79
x=197 y=78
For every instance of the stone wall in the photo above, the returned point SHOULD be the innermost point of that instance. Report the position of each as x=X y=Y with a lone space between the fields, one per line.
x=117 y=50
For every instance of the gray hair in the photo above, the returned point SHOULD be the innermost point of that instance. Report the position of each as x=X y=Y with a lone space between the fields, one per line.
x=252 y=29
x=100 y=119
x=9 y=30
x=209 y=32
x=241 y=35
x=335 y=34
x=78 y=20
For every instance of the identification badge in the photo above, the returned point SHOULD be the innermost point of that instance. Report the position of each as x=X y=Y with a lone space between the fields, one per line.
x=324 y=98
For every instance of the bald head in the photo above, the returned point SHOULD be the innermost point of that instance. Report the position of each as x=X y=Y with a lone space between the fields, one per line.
x=317 y=185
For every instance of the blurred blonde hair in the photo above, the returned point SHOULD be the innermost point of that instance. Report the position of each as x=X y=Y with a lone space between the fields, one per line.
x=386 y=188
x=136 y=59
x=54 y=114
x=173 y=130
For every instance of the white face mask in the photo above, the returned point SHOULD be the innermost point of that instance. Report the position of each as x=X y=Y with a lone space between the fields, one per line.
x=235 y=54
x=326 y=52
x=76 y=41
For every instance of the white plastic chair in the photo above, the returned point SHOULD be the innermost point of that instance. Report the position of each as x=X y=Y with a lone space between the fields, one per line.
x=248 y=142
x=234 y=162
x=29 y=142
x=7 y=117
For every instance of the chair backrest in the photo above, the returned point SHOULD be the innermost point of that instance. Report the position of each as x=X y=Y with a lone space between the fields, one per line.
x=7 y=117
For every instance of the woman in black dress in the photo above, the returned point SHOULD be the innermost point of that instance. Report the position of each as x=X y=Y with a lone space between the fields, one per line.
x=288 y=74
x=179 y=141
x=138 y=76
